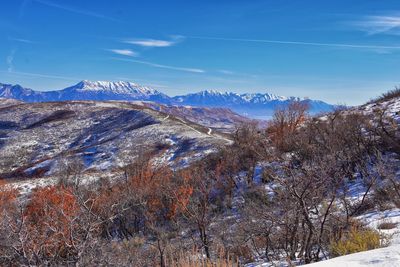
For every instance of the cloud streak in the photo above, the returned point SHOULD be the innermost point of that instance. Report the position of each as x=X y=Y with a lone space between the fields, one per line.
x=39 y=75
x=150 y=43
x=227 y=72
x=237 y=74
x=20 y=40
x=193 y=70
x=154 y=42
x=124 y=52
x=379 y=24
x=23 y=7
x=334 y=45
x=75 y=10
x=10 y=60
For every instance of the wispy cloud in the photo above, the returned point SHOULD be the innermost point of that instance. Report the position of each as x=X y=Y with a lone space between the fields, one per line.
x=237 y=74
x=150 y=42
x=124 y=52
x=389 y=24
x=10 y=60
x=23 y=7
x=227 y=72
x=193 y=70
x=155 y=42
x=20 y=40
x=75 y=10
x=225 y=80
x=39 y=75
x=334 y=45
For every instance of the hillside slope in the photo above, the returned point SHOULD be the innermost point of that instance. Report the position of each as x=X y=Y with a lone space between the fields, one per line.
x=34 y=137
x=4 y=102
x=221 y=119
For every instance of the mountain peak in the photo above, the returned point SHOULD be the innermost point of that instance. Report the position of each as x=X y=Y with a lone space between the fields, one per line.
x=214 y=92
x=89 y=83
x=118 y=87
x=263 y=97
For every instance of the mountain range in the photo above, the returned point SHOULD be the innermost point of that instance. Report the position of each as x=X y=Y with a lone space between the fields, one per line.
x=255 y=105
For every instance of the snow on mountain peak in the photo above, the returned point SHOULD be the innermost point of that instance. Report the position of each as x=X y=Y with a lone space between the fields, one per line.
x=118 y=87
x=246 y=97
x=213 y=92
x=261 y=98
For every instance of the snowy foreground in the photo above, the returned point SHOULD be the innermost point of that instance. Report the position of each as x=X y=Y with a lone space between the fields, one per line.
x=387 y=257
x=383 y=257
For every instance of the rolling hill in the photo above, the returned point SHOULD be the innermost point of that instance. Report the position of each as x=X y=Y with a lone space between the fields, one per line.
x=36 y=137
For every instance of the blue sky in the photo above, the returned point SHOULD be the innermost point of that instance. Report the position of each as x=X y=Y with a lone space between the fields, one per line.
x=339 y=51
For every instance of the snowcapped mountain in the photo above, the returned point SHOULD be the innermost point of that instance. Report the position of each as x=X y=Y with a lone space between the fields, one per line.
x=262 y=98
x=115 y=87
x=86 y=90
x=209 y=97
x=104 y=90
x=255 y=105
x=18 y=92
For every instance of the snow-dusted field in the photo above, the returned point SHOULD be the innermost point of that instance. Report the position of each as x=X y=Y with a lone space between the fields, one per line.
x=103 y=135
x=382 y=257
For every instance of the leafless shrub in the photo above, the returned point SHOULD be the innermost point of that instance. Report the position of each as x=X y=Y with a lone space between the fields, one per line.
x=285 y=122
x=387 y=96
x=317 y=158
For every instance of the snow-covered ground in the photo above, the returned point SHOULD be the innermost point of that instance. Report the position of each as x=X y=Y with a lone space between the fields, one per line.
x=34 y=137
x=391 y=107
x=4 y=102
x=383 y=257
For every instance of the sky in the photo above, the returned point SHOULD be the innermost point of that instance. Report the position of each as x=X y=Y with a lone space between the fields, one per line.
x=342 y=52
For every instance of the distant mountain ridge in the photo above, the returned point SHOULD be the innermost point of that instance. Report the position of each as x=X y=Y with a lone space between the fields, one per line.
x=85 y=90
x=256 y=105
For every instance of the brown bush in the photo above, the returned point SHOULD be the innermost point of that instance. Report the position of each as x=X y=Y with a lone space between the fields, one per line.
x=49 y=217
x=285 y=122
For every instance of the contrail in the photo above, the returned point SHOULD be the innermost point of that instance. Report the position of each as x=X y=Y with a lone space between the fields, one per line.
x=341 y=45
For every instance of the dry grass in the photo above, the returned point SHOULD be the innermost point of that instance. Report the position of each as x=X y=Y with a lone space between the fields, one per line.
x=356 y=240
